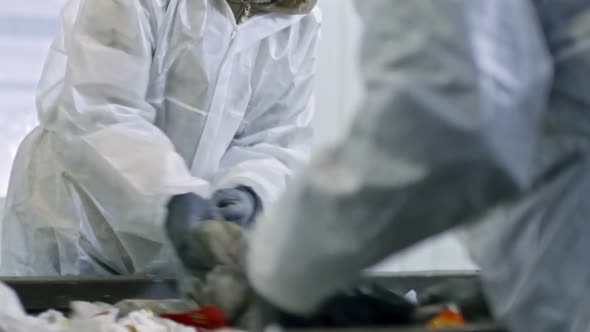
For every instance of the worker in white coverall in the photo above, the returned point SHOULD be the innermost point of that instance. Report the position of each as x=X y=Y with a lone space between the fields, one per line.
x=475 y=109
x=207 y=101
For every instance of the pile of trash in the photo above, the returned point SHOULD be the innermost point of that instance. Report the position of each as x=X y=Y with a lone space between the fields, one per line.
x=453 y=304
x=92 y=317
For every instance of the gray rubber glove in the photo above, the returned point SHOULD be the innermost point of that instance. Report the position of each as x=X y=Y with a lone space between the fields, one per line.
x=365 y=304
x=212 y=252
x=239 y=205
x=186 y=214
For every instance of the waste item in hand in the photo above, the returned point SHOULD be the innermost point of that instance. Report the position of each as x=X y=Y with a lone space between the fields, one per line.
x=213 y=271
x=208 y=317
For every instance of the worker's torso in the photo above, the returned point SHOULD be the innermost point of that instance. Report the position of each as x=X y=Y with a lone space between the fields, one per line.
x=566 y=127
x=533 y=251
x=208 y=75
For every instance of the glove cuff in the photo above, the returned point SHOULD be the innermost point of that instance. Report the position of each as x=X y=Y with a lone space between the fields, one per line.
x=257 y=202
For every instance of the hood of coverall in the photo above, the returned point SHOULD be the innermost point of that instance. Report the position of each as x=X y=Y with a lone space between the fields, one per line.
x=287 y=7
x=290 y=7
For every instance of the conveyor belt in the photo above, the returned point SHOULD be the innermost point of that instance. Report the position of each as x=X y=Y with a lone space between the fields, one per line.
x=474 y=328
x=44 y=293
x=40 y=294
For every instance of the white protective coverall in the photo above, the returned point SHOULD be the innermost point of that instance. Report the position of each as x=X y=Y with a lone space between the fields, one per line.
x=476 y=110
x=144 y=99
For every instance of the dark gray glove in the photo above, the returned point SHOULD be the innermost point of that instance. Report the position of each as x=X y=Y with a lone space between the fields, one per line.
x=212 y=252
x=239 y=205
x=201 y=239
x=364 y=305
x=186 y=214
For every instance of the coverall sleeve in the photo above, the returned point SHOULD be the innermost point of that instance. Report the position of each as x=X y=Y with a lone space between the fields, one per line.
x=104 y=127
x=455 y=95
x=275 y=140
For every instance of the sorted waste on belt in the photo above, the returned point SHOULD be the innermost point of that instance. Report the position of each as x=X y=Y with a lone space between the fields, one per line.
x=99 y=317
x=218 y=296
x=186 y=316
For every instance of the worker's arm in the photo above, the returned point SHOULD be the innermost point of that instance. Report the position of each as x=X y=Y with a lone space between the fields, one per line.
x=275 y=138
x=104 y=130
x=455 y=93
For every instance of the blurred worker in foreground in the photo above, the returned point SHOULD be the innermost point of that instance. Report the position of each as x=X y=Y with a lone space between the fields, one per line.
x=206 y=101
x=475 y=109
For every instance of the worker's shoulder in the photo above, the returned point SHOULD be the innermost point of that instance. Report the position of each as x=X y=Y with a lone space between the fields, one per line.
x=315 y=16
x=311 y=21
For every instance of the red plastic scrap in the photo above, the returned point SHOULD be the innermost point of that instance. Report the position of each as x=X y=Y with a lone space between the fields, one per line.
x=447 y=319
x=208 y=317
x=103 y=313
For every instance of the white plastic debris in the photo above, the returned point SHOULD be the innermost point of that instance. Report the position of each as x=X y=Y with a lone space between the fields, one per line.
x=93 y=311
x=53 y=317
x=11 y=305
x=13 y=317
x=158 y=307
x=138 y=321
x=87 y=317
x=412 y=296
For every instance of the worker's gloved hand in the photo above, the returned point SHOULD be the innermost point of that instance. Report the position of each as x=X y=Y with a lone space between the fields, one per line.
x=200 y=239
x=185 y=212
x=239 y=205
x=212 y=252
x=467 y=294
x=364 y=305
